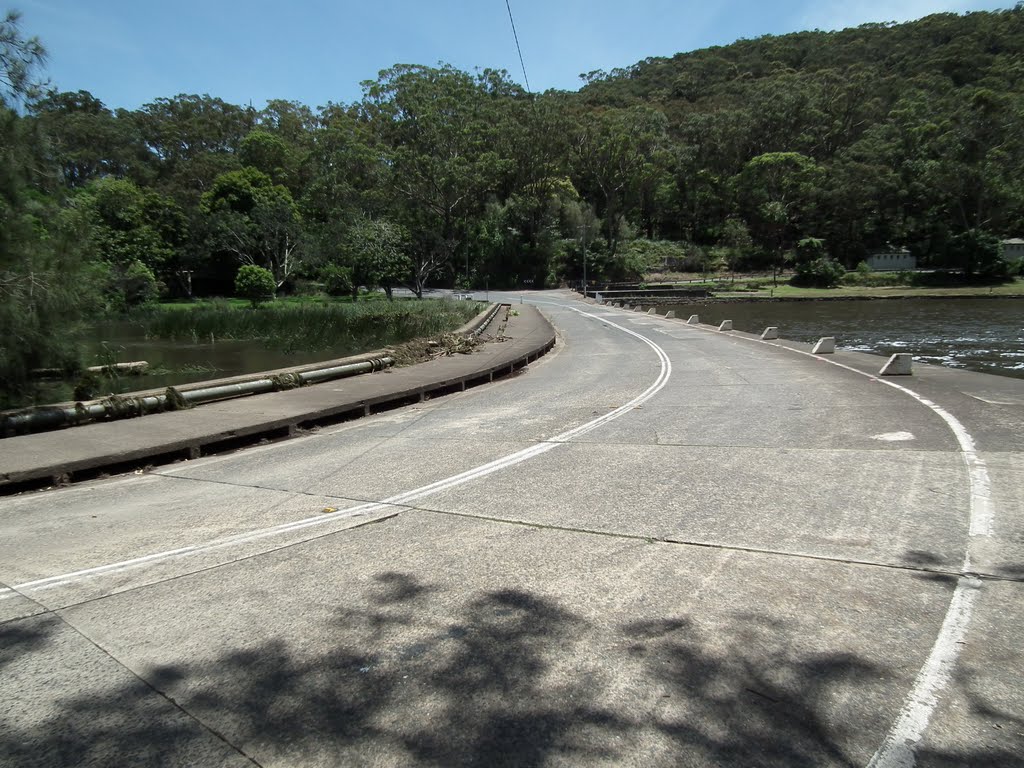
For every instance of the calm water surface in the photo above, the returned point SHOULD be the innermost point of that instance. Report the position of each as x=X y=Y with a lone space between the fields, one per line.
x=978 y=334
x=174 y=363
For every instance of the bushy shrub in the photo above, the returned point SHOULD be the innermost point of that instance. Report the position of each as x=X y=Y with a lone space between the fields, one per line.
x=822 y=272
x=977 y=253
x=871 y=279
x=644 y=256
x=140 y=285
x=337 y=280
x=255 y=284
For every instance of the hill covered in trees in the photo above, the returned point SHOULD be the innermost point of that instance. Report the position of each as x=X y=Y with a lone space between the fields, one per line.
x=910 y=134
x=904 y=133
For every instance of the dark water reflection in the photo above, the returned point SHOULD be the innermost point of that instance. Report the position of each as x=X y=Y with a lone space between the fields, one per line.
x=978 y=334
x=173 y=363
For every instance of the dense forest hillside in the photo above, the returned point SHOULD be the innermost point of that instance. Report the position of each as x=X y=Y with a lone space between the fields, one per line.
x=811 y=147
x=913 y=132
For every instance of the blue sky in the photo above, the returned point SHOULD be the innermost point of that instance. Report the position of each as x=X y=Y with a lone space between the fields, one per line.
x=128 y=52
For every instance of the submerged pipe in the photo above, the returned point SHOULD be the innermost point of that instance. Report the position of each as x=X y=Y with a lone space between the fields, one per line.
x=342 y=371
x=123 y=407
x=115 y=407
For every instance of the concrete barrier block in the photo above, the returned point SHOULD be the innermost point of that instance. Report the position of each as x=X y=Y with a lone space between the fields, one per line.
x=651 y=311
x=619 y=305
x=726 y=325
x=771 y=332
x=899 y=365
x=670 y=313
x=638 y=308
x=694 y=320
x=825 y=346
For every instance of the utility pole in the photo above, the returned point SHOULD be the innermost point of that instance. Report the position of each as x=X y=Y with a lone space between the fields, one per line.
x=583 y=229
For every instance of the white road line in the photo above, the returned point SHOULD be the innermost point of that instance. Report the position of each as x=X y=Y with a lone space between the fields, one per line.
x=897 y=750
x=397 y=500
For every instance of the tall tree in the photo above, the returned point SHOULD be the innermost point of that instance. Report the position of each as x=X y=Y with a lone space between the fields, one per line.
x=437 y=131
x=616 y=154
x=776 y=192
x=88 y=141
x=45 y=289
x=256 y=220
x=194 y=139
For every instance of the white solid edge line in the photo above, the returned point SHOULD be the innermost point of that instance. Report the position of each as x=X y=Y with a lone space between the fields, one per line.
x=366 y=508
x=897 y=750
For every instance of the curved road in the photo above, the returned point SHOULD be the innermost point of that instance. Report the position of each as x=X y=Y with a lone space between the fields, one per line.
x=659 y=545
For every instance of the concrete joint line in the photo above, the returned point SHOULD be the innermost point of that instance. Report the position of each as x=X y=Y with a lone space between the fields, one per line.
x=898 y=748
x=167 y=579
x=978 y=577
x=197 y=720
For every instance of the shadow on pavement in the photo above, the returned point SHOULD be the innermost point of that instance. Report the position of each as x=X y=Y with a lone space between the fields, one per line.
x=415 y=673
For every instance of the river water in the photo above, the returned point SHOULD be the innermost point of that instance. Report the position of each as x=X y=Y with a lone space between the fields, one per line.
x=173 y=363
x=977 y=334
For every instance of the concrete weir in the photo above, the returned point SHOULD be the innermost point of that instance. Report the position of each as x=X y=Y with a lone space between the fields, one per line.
x=825 y=346
x=899 y=364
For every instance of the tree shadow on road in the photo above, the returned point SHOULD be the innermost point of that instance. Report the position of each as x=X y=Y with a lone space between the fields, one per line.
x=407 y=672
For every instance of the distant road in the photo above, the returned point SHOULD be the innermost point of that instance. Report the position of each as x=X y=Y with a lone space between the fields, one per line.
x=658 y=545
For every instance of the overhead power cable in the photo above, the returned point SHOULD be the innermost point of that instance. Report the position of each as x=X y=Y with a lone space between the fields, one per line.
x=516 y=36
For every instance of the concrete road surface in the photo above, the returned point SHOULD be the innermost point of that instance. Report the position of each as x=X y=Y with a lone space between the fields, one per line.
x=660 y=545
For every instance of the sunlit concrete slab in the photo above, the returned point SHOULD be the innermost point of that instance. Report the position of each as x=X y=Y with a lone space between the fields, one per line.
x=357 y=471
x=985 y=700
x=784 y=424
x=144 y=529
x=877 y=505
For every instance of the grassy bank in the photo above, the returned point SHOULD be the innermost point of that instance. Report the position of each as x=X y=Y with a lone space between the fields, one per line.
x=304 y=325
x=784 y=291
x=853 y=287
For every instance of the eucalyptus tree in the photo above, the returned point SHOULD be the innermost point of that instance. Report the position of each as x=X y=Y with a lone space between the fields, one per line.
x=87 y=141
x=295 y=126
x=436 y=132
x=517 y=236
x=136 y=237
x=615 y=153
x=255 y=220
x=776 y=193
x=193 y=138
